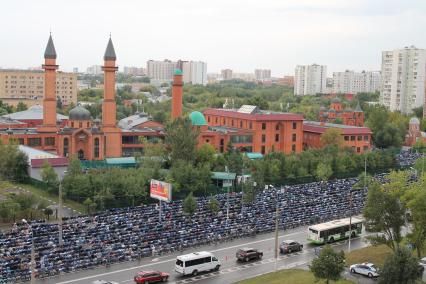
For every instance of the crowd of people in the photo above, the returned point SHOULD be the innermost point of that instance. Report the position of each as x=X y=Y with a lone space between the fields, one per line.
x=135 y=232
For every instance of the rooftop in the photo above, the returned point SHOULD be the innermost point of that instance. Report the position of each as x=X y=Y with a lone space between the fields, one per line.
x=32 y=113
x=321 y=127
x=253 y=113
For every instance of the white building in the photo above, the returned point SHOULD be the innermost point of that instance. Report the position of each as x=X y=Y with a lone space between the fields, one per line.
x=350 y=82
x=262 y=74
x=248 y=77
x=194 y=72
x=403 y=79
x=94 y=70
x=161 y=71
x=310 y=79
x=135 y=71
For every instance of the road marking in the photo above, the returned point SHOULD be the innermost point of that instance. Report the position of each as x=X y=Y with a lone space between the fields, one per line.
x=173 y=259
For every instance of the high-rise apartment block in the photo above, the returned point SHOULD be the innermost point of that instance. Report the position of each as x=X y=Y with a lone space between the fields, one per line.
x=161 y=71
x=226 y=74
x=403 y=79
x=94 y=70
x=134 y=71
x=29 y=87
x=350 y=82
x=194 y=72
x=310 y=79
x=262 y=74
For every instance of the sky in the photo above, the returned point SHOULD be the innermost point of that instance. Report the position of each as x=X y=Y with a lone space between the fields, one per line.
x=242 y=35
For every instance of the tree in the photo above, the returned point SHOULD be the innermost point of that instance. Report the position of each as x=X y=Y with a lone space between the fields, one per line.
x=90 y=205
x=388 y=136
x=190 y=204
x=323 y=172
x=383 y=212
x=21 y=106
x=332 y=137
x=249 y=192
x=181 y=140
x=328 y=265
x=49 y=177
x=205 y=155
x=48 y=211
x=415 y=200
x=214 y=205
x=58 y=102
x=401 y=267
x=363 y=181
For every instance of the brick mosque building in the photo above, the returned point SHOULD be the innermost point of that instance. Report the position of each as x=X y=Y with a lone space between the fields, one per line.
x=80 y=135
x=347 y=116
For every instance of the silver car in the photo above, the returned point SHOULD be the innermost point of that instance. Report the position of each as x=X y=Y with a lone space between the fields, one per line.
x=367 y=269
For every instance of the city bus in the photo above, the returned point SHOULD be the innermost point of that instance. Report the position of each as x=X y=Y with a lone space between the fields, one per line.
x=196 y=262
x=334 y=230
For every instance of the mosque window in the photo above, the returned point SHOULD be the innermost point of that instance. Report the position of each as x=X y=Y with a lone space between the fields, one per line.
x=66 y=146
x=96 y=150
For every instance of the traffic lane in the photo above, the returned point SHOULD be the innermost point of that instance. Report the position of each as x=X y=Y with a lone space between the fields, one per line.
x=243 y=271
x=122 y=271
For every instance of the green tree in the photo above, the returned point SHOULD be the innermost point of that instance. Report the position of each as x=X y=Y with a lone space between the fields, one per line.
x=205 y=155
x=388 y=136
x=190 y=204
x=323 y=172
x=383 y=212
x=48 y=211
x=181 y=140
x=332 y=137
x=401 y=267
x=49 y=177
x=214 y=205
x=21 y=106
x=90 y=205
x=328 y=265
x=249 y=192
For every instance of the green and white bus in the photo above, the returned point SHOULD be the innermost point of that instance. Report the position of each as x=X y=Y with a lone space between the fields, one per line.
x=334 y=230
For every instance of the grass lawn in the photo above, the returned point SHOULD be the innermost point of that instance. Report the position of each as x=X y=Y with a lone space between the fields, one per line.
x=42 y=193
x=288 y=276
x=374 y=254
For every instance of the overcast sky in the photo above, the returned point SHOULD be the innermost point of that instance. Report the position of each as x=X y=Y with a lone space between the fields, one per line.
x=237 y=34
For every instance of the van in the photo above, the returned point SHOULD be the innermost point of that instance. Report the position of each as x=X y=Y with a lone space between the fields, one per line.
x=196 y=262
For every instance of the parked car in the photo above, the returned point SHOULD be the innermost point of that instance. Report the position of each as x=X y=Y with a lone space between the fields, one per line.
x=290 y=246
x=422 y=262
x=146 y=277
x=421 y=266
x=367 y=269
x=247 y=254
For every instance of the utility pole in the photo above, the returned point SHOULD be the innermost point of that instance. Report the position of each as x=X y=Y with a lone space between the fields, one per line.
x=32 y=265
x=350 y=221
x=276 y=235
x=227 y=194
x=61 y=241
x=365 y=170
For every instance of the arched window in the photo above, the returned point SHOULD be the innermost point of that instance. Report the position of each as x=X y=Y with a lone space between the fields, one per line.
x=96 y=148
x=66 y=147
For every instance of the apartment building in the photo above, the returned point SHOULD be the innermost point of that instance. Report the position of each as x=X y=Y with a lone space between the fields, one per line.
x=160 y=71
x=403 y=79
x=226 y=74
x=194 y=72
x=350 y=82
x=28 y=87
x=262 y=74
x=310 y=79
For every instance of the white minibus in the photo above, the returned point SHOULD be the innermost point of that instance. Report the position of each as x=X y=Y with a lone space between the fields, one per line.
x=196 y=262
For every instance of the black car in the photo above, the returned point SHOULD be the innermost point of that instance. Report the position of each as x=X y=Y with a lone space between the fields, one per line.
x=290 y=246
x=247 y=254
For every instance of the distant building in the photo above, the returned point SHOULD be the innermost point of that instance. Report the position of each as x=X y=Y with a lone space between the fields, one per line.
x=33 y=116
x=226 y=74
x=248 y=77
x=414 y=134
x=262 y=74
x=403 y=79
x=213 y=78
x=286 y=81
x=28 y=87
x=356 y=82
x=161 y=71
x=134 y=71
x=310 y=79
x=357 y=138
x=94 y=70
x=346 y=116
x=194 y=72
x=75 y=70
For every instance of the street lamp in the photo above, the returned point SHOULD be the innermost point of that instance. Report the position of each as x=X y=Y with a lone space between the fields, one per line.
x=60 y=237
x=350 y=220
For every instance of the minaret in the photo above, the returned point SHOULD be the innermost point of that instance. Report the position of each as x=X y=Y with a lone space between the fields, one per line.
x=49 y=100
x=112 y=144
x=177 y=92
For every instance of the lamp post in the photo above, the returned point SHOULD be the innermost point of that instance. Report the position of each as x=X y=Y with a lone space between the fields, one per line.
x=60 y=237
x=350 y=221
x=227 y=194
x=277 y=210
x=32 y=264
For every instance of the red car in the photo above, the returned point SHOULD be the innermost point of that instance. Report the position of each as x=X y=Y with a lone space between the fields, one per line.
x=146 y=277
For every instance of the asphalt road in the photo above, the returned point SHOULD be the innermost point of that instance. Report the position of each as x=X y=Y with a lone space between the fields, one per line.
x=230 y=271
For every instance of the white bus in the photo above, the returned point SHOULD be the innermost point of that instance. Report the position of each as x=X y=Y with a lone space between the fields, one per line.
x=334 y=230
x=196 y=262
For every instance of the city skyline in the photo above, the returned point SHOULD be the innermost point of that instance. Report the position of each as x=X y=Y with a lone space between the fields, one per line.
x=338 y=34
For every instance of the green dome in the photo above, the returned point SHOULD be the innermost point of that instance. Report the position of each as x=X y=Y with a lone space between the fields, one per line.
x=197 y=118
x=178 y=72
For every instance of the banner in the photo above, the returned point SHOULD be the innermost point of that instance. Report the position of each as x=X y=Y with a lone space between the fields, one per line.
x=161 y=190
